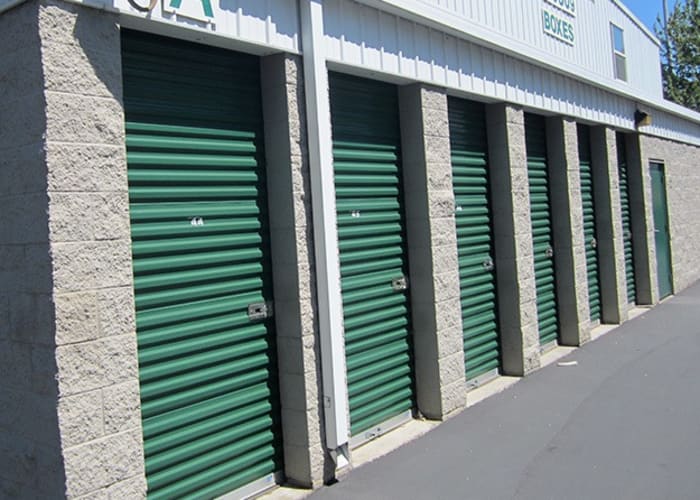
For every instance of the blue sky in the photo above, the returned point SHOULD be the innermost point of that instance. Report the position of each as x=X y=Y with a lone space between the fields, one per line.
x=647 y=10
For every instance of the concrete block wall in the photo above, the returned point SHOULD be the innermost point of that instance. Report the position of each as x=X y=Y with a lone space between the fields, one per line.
x=569 y=245
x=31 y=461
x=681 y=163
x=643 y=243
x=71 y=331
x=306 y=461
x=515 y=270
x=95 y=337
x=608 y=214
x=432 y=250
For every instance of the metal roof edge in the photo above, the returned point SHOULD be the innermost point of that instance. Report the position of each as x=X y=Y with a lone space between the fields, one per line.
x=637 y=21
x=675 y=109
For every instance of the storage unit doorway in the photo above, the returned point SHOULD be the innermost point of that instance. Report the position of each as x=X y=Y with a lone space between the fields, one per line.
x=202 y=274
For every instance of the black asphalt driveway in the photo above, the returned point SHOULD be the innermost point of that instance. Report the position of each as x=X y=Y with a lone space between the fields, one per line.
x=624 y=423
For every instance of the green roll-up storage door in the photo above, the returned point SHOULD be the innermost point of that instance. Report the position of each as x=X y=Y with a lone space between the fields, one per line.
x=470 y=180
x=626 y=218
x=542 y=235
x=367 y=164
x=200 y=250
x=589 y=225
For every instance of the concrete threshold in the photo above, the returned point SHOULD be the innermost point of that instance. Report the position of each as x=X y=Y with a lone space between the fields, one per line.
x=491 y=388
x=285 y=493
x=554 y=355
x=389 y=442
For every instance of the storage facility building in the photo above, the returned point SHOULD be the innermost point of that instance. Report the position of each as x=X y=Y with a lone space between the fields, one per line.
x=241 y=238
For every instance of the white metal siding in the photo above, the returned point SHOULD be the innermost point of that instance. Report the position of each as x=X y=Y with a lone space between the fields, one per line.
x=493 y=49
x=272 y=24
x=363 y=37
x=516 y=25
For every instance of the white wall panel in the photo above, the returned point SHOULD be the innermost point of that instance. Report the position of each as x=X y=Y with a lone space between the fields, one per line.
x=517 y=26
x=358 y=36
x=271 y=25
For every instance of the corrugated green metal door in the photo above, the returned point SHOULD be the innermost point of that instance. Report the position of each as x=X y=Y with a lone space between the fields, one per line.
x=626 y=218
x=542 y=235
x=199 y=240
x=662 y=234
x=474 y=236
x=373 y=264
x=589 y=225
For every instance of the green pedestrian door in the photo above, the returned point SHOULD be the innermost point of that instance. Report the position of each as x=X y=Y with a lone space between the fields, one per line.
x=207 y=365
x=474 y=237
x=542 y=235
x=626 y=218
x=589 y=223
x=373 y=263
x=662 y=235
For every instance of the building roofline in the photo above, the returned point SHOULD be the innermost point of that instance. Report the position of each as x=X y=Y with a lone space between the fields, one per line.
x=620 y=5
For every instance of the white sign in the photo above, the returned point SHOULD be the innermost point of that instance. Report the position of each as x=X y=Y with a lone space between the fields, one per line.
x=558 y=27
x=568 y=6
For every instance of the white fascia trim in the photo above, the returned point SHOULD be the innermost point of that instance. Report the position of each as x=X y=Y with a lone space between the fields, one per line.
x=444 y=21
x=134 y=19
x=8 y=4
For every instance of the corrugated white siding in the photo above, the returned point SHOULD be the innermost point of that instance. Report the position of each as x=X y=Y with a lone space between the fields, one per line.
x=273 y=24
x=673 y=127
x=517 y=25
x=363 y=37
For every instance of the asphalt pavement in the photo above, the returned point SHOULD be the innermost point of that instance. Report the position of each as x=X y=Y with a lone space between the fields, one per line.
x=623 y=423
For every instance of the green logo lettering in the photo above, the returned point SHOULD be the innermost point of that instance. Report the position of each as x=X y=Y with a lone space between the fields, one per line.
x=206 y=6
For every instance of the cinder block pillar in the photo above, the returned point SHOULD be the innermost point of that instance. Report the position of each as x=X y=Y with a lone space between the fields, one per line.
x=293 y=270
x=611 y=250
x=569 y=245
x=643 y=240
x=96 y=353
x=515 y=271
x=77 y=421
x=432 y=243
x=31 y=461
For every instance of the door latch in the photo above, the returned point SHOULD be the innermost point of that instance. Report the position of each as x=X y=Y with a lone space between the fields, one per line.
x=549 y=252
x=259 y=310
x=399 y=284
x=488 y=264
x=594 y=243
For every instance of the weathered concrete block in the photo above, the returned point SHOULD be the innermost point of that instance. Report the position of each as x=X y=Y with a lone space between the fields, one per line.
x=16 y=365
x=31 y=318
x=116 y=311
x=122 y=407
x=82 y=119
x=64 y=23
x=36 y=270
x=22 y=169
x=23 y=218
x=77 y=317
x=27 y=124
x=86 y=72
x=451 y=368
x=96 y=364
x=86 y=168
x=104 y=462
x=298 y=422
x=80 y=418
x=91 y=265
x=89 y=217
